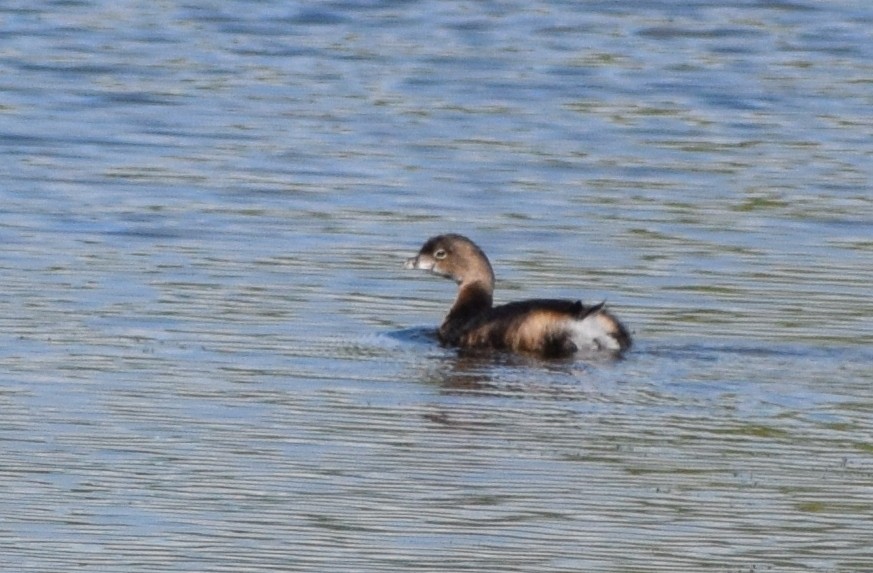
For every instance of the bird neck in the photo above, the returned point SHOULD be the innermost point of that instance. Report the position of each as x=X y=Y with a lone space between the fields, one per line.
x=473 y=298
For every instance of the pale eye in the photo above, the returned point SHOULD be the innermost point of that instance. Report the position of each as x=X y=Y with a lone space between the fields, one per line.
x=440 y=254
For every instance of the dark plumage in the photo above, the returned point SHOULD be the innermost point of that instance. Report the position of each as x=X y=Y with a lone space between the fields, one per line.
x=548 y=327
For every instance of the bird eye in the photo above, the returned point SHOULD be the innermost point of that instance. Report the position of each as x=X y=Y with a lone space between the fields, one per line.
x=440 y=254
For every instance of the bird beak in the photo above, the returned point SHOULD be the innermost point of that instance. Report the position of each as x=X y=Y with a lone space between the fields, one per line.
x=425 y=263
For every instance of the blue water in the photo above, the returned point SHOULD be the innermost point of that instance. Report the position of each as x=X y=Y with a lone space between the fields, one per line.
x=212 y=360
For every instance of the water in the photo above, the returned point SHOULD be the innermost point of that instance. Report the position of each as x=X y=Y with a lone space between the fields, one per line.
x=212 y=360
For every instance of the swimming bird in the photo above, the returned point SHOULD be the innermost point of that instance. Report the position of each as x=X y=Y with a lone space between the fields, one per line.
x=545 y=327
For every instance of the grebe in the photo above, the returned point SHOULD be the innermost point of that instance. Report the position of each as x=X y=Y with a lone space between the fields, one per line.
x=547 y=327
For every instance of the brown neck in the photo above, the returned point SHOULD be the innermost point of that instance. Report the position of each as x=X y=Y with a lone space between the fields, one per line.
x=473 y=298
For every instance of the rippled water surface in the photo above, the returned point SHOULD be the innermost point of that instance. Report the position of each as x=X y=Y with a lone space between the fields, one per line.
x=212 y=360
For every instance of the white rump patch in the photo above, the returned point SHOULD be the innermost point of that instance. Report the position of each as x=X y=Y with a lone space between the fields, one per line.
x=592 y=333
